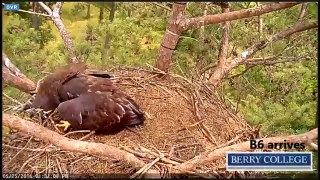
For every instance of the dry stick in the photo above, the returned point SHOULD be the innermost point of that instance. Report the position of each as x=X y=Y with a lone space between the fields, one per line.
x=11 y=99
x=203 y=128
x=87 y=136
x=314 y=146
x=182 y=170
x=192 y=125
x=29 y=160
x=26 y=149
x=144 y=169
x=59 y=167
x=143 y=155
x=14 y=157
x=67 y=144
x=166 y=160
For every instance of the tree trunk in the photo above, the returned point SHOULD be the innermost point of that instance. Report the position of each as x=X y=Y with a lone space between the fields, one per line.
x=88 y=11
x=106 y=46
x=112 y=11
x=35 y=18
x=129 y=12
x=101 y=14
x=179 y=23
x=171 y=37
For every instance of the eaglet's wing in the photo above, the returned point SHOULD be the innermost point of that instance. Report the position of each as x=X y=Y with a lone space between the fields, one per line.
x=102 y=110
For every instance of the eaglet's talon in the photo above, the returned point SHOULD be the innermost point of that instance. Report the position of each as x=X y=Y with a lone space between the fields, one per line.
x=64 y=124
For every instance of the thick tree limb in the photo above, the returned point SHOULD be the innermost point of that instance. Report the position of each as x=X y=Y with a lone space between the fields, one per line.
x=223 y=53
x=12 y=76
x=178 y=23
x=55 y=17
x=219 y=74
x=99 y=149
x=229 y=16
x=211 y=156
x=171 y=37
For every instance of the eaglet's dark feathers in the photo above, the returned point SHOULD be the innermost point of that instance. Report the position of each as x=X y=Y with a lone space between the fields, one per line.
x=87 y=99
x=69 y=82
x=101 y=111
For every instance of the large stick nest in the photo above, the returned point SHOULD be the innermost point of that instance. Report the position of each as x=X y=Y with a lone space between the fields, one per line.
x=183 y=119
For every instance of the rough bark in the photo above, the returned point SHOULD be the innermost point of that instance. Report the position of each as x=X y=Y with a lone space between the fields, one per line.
x=212 y=155
x=55 y=16
x=223 y=53
x=12 y=76
x=221 y=72
x=178 y=23
x=171 y=37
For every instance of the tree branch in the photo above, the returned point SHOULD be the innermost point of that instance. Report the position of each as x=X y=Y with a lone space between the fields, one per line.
x=162 y=6
x=301 y=26
x=225 y=38
x=98 y=149
x=211 y=156
x=12 y=76
x=303 y=11
x=271 y=61
x=46 y=8
x=220 y=73
x=55 y=17
x=229 y=16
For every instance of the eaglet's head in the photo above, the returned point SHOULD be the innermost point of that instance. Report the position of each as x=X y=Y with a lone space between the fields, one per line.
x=71 y=111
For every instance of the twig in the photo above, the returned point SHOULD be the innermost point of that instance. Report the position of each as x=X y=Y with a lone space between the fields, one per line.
x=143 y=155
x=162 y=6
x=15 y=156
x=79 y=131
x=203 y=128
x=27 y=149
x=87 y=136
x=11 y=99
x=29 y=160
x=166 y=160
x=59 y=167
x=145 y=168
x=314 y=146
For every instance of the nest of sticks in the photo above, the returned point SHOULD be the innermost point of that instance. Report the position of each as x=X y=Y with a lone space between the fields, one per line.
x=183 y=120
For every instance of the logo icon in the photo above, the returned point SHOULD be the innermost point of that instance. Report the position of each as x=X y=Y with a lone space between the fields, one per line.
x=11 y=7
x=269 y=161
